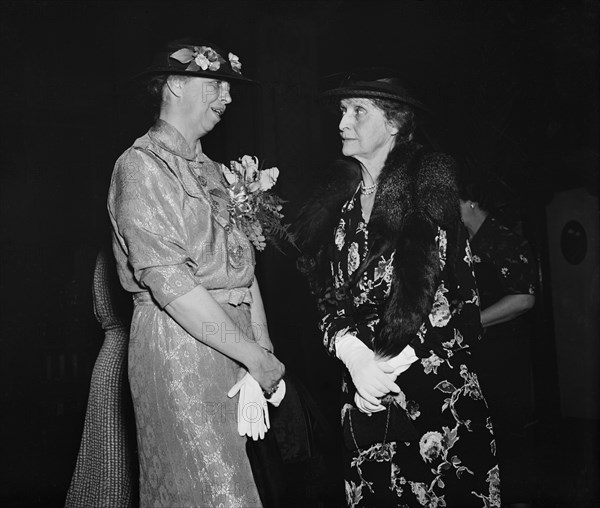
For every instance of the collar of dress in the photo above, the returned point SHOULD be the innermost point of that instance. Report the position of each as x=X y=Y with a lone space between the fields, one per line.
x=169 y=138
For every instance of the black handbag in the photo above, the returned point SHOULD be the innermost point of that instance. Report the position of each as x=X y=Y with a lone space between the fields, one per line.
x=267 y=469
x=362 y=430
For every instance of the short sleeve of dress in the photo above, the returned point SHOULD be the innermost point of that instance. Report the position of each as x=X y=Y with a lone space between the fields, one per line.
x=144 y=204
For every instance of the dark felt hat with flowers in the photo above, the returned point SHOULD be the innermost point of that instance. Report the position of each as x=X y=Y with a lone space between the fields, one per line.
x=373 y=83
x=193 y=57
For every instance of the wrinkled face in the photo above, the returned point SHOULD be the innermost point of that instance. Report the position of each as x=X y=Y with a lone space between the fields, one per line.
x=204 y=101
x=364 y=129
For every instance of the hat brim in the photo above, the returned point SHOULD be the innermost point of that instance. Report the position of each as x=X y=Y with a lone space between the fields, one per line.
x=371 y=92
x=224 y=76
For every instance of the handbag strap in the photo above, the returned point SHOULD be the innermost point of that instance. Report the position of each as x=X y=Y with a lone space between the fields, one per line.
x=387 y=423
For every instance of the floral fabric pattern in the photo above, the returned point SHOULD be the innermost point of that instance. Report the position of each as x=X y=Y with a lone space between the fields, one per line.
x=453 y=462
x=503 y=262
x=504 y=265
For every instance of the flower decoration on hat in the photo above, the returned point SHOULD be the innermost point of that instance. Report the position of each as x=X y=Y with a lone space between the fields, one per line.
x=252 y=206
x=235 y=63
x=199 y=58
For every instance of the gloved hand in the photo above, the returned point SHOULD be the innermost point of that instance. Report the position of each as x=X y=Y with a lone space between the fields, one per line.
x=253 y=415
x=277 y=396
x=403 y=361
x=365 y=406
x=372 y=378
x=399 y=363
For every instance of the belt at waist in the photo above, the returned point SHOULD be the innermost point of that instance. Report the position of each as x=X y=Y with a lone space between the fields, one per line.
x=235 y=296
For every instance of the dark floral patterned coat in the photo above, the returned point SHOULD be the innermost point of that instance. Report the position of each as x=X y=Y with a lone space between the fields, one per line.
x=406 y=278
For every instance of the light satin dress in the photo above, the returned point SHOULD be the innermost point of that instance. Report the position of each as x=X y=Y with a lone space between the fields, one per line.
x=171 y=232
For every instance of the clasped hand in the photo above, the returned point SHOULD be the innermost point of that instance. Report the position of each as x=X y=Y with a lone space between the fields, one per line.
x=266 y=369
x=372 y=377
x=399 y=363
x=373 y=381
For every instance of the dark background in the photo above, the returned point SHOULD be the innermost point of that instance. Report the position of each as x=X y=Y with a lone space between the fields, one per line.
x=514 y=87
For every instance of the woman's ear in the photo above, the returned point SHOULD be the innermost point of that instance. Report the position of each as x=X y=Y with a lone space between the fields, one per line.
x=392 y=128
x=174 y=85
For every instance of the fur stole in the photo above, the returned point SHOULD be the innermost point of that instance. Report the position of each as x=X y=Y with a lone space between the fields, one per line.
x=416 y=194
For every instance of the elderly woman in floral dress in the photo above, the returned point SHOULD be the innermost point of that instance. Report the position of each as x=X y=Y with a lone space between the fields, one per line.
x=389 y=260
x=198 y=324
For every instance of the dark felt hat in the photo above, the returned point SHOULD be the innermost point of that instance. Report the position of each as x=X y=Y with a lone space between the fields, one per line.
x=193 y=57
x=369 y=86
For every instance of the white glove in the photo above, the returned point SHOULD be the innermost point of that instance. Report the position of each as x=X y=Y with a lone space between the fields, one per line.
x=372 y=378
x=278 y=395
x=365 y=406
x=253 y=415
x=399 y=363
x=403 y=361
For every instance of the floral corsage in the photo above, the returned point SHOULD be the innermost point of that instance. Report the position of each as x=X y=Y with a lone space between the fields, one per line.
x=252 y=207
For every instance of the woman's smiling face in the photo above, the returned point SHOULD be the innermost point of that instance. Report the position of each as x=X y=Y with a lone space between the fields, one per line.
x=205 y=101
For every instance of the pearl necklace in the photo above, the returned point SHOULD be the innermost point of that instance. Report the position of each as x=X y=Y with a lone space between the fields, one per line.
x=367 y=189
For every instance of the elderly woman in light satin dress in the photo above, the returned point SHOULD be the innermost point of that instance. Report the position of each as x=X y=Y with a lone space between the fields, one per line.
x=199 y=322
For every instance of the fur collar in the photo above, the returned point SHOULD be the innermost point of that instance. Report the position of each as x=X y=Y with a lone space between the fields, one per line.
x=416 y=194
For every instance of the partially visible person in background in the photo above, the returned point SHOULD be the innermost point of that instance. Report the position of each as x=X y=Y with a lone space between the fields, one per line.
x=506 y=275
x=106 y=472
